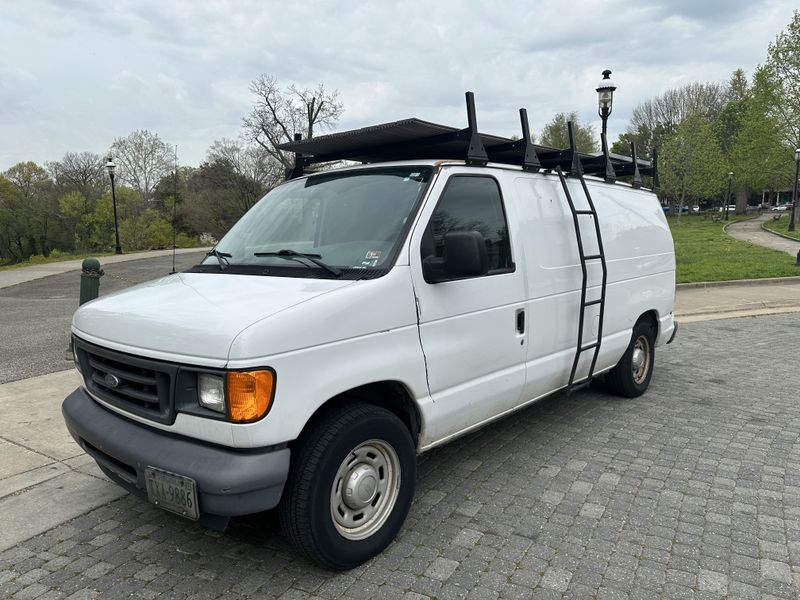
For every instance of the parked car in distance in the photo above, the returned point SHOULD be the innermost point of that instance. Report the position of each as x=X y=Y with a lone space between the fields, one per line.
x=781 y=207
x=695 y=209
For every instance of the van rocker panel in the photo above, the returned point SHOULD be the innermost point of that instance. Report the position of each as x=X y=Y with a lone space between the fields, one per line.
x=229 y=483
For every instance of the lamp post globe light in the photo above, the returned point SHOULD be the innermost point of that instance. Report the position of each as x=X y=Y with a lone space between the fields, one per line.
x=605 y=97
x=111 y=166
x=728 y=195
x=793 y=219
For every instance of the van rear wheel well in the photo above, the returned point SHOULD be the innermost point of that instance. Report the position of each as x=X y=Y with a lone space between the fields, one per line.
x=650 y=317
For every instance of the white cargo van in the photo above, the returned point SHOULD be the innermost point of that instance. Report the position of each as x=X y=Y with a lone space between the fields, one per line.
x=359 y=316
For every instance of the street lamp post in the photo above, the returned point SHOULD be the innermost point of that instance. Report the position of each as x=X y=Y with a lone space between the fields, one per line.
x=728 y=195
x=111 y=166
x=794 y=189
x=605 y=97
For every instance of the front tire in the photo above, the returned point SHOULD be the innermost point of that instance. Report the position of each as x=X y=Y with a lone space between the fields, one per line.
x=631 y=377
x=350 y=486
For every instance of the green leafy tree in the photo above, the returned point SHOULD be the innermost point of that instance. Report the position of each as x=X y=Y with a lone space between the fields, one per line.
x=35 y=210
x=693 y=166
x=76 y=214
x=556 y=135
x=781 y=73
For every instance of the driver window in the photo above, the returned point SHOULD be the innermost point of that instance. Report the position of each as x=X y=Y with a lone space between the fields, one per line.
x=471 y=203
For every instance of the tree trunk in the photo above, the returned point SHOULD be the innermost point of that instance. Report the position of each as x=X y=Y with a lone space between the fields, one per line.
x=741 y=201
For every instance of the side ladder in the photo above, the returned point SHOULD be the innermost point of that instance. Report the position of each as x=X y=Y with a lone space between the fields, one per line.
x=577 y=214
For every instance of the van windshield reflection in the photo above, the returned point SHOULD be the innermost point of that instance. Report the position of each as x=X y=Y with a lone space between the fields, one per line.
x=351 y=220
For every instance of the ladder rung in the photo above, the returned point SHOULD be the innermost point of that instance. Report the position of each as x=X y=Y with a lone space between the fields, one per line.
x=592 y=303
x=589 y=346
x=593 y=257
x=585 y=212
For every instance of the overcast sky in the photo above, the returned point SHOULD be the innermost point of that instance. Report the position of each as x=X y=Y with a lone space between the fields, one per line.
x=76 y=74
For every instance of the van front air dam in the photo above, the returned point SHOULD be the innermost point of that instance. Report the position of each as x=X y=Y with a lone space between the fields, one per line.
x=229 y=482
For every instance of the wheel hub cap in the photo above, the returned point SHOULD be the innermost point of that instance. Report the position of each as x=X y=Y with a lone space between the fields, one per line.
x=361 y=487
x=638 y=358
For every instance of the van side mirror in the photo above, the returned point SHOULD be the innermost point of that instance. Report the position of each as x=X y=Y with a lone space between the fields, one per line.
x=465 y=255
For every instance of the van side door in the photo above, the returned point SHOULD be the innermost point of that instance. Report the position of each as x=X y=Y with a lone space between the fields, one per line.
x=472 y=328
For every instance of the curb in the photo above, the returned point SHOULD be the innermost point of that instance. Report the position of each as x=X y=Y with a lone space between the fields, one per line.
x=786 y=237
x=729 y=223
x=737 y=282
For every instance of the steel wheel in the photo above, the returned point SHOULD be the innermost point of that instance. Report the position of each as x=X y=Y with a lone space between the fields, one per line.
x=365 y=489
x=640 y=360
x=631 y=376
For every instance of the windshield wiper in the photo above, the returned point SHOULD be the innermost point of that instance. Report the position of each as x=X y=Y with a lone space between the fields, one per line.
x=222 y=258
x=314 y=258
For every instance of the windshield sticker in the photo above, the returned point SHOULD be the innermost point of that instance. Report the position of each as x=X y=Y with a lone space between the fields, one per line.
x=373 y=254
x=369 y=263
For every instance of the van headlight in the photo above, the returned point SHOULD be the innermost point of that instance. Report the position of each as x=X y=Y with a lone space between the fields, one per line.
x=243 y=396
x=211 y=392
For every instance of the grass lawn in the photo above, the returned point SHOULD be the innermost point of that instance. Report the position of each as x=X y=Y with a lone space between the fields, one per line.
x=703 y=252
x=782 y=226
x=41 y=260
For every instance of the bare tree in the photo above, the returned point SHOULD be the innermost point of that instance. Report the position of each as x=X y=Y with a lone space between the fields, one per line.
x=143 y=159
x=82 y=172
x=659 y=117
x=280 y=113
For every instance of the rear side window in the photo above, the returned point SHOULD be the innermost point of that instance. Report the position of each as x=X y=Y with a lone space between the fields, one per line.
x=471 y=203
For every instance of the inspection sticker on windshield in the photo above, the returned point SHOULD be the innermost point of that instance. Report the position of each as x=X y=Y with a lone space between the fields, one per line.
x=373 y=254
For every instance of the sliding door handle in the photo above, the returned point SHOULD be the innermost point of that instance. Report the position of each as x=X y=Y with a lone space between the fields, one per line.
x=520 y=320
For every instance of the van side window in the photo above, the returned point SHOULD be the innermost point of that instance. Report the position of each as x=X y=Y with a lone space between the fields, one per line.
x=471 y=203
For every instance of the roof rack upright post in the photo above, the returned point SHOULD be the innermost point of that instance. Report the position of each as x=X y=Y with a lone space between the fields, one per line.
x=297 y=171
x=577 y=168
x=610 y=175
x=530 y=162
x=655 y=169
x=637 y=177
x=476 y=153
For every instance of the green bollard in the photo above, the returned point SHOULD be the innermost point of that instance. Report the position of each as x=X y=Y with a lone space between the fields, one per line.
x=91 y=272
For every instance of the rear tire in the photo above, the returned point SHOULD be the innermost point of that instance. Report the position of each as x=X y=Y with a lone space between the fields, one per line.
x=350 y=486
x=631 y=377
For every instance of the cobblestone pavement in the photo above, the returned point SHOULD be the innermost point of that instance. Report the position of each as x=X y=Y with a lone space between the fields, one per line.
x=691 y=491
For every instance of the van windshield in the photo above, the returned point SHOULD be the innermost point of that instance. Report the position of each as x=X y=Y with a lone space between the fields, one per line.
x=349 y=220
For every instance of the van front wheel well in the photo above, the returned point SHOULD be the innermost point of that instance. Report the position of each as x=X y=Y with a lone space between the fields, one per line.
x=390 y=395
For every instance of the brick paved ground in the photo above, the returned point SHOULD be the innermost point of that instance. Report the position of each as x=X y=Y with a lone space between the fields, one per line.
x=692 y=491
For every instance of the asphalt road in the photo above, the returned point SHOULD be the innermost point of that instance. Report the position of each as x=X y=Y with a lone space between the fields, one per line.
x=35 y=316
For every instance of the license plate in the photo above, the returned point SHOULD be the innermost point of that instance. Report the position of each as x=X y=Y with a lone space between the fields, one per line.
x=172 y=492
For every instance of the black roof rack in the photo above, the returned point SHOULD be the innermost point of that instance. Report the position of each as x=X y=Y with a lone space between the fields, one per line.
x=412 y=139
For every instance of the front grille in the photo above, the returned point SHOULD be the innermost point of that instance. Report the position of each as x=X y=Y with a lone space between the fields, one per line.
x=141 y=386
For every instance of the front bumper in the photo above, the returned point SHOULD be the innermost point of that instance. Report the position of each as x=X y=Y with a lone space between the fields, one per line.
x=229 y=482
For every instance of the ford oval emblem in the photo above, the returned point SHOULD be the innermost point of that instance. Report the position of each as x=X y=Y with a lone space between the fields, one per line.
x=112 y=381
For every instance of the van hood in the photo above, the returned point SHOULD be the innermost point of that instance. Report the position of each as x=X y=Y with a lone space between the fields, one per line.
x=191 y=317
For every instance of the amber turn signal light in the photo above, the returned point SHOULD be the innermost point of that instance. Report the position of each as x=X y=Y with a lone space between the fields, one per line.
x=249 y=394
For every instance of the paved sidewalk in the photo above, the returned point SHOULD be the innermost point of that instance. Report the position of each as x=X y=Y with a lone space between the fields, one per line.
x=750 y=231
x=726 y=299
x=9 y=277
